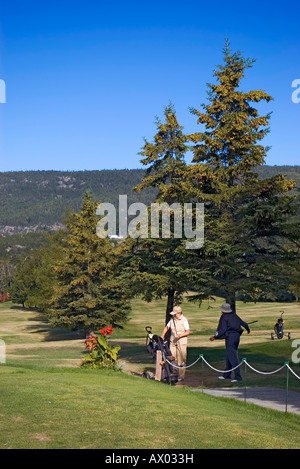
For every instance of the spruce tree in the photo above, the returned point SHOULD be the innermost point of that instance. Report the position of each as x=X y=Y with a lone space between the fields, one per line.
x=90 y=291
x=164 y=157
x=294 y=276
x=247 y=220
x=157 y=263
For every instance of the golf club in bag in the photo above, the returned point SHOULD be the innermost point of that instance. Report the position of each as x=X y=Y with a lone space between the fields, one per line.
x=154 y=344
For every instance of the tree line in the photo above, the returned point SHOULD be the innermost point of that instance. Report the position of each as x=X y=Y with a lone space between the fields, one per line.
x=251 y=244
x=37 y=199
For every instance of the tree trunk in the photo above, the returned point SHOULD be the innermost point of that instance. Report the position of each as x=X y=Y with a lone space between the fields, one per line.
x=170 y=304
x=230 y=298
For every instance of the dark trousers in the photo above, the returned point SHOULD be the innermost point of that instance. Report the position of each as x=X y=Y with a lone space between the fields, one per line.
x=232 y=358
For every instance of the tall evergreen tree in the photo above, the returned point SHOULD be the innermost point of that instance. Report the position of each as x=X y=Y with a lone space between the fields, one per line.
x=90 y=292
x=294 y=278
x=164 y=157
x=247 y=220
x=157 y=263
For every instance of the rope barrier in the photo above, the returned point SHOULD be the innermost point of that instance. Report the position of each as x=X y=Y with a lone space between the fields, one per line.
x=220 y=371
x=232 y=369
x=292 y=371
x=180 y=367
x=244 y=360
x=264 y=372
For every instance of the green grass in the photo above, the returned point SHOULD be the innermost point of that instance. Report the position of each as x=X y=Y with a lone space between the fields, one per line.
x=48 y=401
x=84 y=409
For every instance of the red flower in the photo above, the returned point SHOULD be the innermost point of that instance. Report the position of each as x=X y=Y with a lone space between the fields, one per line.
x=103 y=332
x=109 y=330
x=90 y=342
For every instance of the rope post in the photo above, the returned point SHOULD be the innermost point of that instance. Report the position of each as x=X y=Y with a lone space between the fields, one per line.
x=287 y=385
x=201 y=356
x=244 y=360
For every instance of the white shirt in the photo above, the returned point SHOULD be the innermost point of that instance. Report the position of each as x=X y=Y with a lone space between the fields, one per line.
x=185 y=324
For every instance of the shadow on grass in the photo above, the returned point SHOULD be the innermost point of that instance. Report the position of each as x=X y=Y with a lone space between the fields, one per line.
x=265 y=357
x=52 y=334
x=21 y=308
x=201 y=374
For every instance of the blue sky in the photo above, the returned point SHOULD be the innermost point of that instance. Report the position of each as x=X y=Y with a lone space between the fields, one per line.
x=85 y=80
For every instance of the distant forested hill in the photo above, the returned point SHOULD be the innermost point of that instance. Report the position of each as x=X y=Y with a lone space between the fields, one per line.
x=37 y=200
x=291 y=172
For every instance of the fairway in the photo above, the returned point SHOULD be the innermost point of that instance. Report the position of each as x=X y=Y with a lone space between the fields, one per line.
x=149 y=228
x=48 y=401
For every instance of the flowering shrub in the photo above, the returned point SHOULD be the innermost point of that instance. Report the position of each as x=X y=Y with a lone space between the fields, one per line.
x=102 y=355
x=91 y=342
x=4 y=297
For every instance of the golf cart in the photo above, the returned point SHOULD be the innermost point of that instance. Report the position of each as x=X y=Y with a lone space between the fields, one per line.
x=278 y=329
x=166 y=362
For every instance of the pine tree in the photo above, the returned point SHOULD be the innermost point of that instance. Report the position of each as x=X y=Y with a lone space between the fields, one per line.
x=247 y=221
x=89 y=292
x=157 y=262
x=294 y=277
x=164 y=157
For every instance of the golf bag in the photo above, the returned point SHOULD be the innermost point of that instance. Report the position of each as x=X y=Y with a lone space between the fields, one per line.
x=169 y=370
x=278 y=329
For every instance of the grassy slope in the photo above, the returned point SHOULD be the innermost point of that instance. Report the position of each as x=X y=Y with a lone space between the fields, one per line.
x=83 y=409
x=47 y=401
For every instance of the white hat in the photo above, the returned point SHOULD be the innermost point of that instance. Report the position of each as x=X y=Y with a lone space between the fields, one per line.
x=176 y=309
x=226 y=308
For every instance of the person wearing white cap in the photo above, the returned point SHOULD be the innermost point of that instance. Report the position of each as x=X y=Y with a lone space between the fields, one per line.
x=230 y=328
x=179 y=331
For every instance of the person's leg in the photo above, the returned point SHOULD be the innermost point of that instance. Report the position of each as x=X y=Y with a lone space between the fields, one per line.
x=173 y=350
x=232 y=350
x=227 y=375
x=182 y=354
x=237 y=372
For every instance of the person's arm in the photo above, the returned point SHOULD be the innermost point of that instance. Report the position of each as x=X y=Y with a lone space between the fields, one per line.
x=166 y=328
x=220 y=332
x=185 y=334
x=245 y=325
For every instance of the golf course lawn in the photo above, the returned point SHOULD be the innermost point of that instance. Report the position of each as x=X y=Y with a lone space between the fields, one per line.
x=47 y=401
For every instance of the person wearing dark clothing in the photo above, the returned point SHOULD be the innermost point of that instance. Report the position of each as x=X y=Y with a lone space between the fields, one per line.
x=230 y=328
